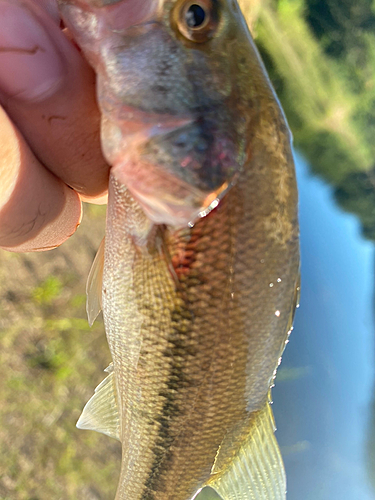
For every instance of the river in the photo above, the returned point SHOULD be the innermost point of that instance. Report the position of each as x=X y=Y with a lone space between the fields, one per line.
x=323 y=398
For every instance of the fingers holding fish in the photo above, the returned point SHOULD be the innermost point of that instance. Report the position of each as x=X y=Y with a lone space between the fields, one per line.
x=48 y=90
x=37 y=210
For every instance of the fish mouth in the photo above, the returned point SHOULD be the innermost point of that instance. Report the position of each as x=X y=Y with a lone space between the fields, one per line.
x=165 y=162
x=168 y=200
x=165 y=198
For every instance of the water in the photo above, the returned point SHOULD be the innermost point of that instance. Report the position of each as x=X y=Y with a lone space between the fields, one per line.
x=324 y=394
x=325 y=385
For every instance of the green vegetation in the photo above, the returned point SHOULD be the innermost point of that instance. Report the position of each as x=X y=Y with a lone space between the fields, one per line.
x=47 y=291
x=50 y=364
x=321 y=58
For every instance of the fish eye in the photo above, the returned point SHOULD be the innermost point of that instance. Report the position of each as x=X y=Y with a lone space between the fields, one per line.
x=196 y=16
x=196 y=20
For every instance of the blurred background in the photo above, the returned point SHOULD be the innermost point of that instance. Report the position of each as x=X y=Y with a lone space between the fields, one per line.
x=320 y=55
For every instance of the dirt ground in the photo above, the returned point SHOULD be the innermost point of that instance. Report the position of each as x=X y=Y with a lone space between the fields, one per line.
x=50 y=363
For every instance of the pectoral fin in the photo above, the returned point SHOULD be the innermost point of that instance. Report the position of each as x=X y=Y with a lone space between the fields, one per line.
x=101 y=412
x=94 y=286
x=256 y=471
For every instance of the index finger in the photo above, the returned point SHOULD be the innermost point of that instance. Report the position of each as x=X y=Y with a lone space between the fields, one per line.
x=48 y=90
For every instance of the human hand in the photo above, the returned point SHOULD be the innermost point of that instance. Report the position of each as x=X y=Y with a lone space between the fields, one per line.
x=49 y=129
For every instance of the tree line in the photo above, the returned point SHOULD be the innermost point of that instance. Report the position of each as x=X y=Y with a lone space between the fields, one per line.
x=321 y=57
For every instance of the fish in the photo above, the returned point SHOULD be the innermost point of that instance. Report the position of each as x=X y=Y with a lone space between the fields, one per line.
x=198 y=275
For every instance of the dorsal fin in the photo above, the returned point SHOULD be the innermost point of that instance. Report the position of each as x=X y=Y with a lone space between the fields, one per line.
x=101 y=412
x=256 y=471
x=94 y=286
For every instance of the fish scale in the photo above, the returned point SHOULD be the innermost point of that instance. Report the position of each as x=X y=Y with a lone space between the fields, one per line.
x=201 y=259
x=183 y=392
x=222 y=332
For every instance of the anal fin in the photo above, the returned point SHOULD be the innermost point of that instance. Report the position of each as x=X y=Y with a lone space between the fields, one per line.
x=101 y=412
x=256 y=471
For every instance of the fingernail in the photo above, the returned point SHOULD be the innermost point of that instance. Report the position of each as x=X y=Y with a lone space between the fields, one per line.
x=31 y=67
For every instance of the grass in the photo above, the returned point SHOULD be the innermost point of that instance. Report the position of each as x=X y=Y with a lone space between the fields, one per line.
x=50 y=363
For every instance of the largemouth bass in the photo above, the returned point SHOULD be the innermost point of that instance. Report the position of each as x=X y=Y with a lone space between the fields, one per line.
x=198 y=277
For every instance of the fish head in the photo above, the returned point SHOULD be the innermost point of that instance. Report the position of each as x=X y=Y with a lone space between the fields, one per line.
x=174 y=119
